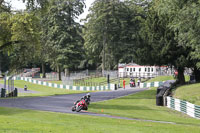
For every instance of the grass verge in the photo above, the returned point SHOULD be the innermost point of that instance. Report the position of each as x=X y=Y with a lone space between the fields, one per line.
x=18 y=121
x=40 y=89
x=165 y=78
x=161 y=78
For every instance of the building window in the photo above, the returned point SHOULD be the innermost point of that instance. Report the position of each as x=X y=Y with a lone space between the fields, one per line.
x=148 y=69
x=145 y=69
x=152 y=69
x=130 y=69
x=134 y=69
x=127 y=69
x=139 y=69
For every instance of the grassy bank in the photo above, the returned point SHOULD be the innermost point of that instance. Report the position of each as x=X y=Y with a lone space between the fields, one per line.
x=40 y=89
x=18 y=121
x=161 y=78
x=165 y=78
x=189 y=93
x=143 y=106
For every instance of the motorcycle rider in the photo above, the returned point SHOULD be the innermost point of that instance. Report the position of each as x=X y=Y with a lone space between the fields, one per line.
x=86 y=98
x=132 y=82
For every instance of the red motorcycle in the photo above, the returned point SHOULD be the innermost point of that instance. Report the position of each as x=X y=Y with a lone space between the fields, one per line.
x=132 y=83
x=80 y=105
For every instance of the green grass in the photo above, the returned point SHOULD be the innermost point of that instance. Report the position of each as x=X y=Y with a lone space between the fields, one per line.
x=97 y=80
x=56 y=82
x=165 y=78
x=189 y=93
x=21 y=121
x=42 y=90
x=161 y=78
x=143 y=106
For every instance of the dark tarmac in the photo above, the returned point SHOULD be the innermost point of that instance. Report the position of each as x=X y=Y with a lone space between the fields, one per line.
x=62 y=103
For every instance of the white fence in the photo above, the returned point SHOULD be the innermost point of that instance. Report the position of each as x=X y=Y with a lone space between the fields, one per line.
x=184 y=107
x=69 y=87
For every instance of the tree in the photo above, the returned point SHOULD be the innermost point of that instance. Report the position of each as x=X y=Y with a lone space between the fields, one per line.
x=25 y=31
x=161 y=44
x=19 y=37
x=184 y=19
x=63 y=35
x=111 y=32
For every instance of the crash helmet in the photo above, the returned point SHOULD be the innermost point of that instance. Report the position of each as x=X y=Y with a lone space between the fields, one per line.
x=84 y=97
x=88 y=95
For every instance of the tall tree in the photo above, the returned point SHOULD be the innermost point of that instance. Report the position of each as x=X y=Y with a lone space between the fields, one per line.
x=110 y=32
x=24 y=27
x=185 y=20
x=63 y=34
x=161 y=45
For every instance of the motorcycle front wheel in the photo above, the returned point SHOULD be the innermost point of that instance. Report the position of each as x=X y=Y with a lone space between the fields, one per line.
x=73 y=108
x=78 y=109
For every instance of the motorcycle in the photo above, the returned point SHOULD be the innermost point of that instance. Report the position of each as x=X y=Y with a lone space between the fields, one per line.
x=80 y=105
x=132 y=84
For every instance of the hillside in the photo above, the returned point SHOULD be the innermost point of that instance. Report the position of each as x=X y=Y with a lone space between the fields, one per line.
x=190 y=93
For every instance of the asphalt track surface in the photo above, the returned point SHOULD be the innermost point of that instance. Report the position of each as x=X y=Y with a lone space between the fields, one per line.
x=62 y=103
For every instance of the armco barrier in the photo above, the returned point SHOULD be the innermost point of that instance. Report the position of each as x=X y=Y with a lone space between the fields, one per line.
x=151 y=84
x=184 y=107
x=69 y=87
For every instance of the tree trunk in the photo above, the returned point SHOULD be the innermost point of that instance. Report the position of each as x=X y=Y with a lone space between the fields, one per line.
x=43 y=70
x=181 y=77
x=197 y=74
x=59 y=73
x=67 y=72
x=104 y=47
x=104 y=56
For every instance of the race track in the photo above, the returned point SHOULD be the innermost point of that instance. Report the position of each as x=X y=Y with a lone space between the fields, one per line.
x=62 y=103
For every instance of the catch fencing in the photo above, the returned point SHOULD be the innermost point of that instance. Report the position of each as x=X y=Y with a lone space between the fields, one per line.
x=69 y=87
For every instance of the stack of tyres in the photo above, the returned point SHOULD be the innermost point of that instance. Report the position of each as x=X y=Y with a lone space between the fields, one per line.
x=3 y=92
x=159 y=97
x=15 y=92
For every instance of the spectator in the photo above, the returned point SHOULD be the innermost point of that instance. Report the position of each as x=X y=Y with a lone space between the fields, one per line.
x=25 y=88
x=124 y=83
x=139 y=80
x=175 y=74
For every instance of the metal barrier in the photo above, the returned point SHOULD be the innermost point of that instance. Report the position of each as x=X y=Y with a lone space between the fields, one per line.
x=163 y=99
x=184 y=107
x=9 y=90
x=163 y=91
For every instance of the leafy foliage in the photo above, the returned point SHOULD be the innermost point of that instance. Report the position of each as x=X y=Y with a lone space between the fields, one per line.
x=62 y=34
x=111 y=32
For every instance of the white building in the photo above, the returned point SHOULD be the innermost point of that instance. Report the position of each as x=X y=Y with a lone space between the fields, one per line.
x=135 y=70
